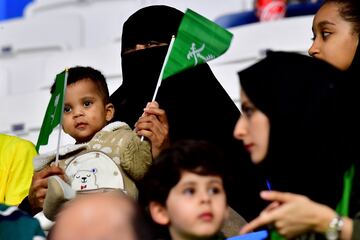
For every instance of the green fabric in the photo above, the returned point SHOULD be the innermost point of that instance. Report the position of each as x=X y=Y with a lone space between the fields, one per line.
x=17 y=225
x=198 y=40
x=274 y=235
x=343 y=207
x=54 y=110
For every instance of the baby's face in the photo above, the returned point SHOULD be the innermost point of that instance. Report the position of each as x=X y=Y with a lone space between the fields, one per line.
x=196 y=206
x=85 y=112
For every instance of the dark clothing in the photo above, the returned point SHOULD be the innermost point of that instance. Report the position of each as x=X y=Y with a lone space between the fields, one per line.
x=25 y=206
x=353 y=128
x=301 y=97
x=196 y=104
x=154 y=23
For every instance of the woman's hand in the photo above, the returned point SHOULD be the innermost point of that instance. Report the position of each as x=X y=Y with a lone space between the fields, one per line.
x=153 y=125
x=294 y=215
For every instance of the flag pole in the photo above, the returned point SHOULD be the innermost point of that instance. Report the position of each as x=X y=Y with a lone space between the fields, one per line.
x=61 y=119
x=163 y=67
x=162 y=71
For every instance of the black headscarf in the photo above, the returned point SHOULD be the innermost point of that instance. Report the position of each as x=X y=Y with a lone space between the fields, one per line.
x=196 y=104
x=353 y=100
x=141 y=69
x=302 y=97
x=354 y=68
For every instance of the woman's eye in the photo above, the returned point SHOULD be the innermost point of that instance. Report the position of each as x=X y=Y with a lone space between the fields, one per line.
x=325 y=34
x=152 y=44
x=248 y=111
x=87 y=104
x=67 y=109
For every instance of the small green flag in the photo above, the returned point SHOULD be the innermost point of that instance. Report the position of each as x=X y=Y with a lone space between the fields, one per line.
x=198 y=40
x=54 y=110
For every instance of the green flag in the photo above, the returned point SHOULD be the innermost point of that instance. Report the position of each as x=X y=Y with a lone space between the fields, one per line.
x=54 y=110
x=198 y=40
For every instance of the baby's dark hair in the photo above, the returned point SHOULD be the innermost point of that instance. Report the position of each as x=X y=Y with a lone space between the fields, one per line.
x=349 y=10
x=78 y=73
x=197 y=157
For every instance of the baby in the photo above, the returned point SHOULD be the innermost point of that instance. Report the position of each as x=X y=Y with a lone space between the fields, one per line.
x=105 y=156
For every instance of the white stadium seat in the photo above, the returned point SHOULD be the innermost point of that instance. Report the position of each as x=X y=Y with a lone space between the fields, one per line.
x=55 y=34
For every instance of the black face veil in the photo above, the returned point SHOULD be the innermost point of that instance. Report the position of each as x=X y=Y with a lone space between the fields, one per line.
x=196 y=104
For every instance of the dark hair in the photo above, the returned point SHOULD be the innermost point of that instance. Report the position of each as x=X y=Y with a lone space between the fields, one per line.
x=349 y=10
x=141 y=224
x=198 y=157
x=78 y=73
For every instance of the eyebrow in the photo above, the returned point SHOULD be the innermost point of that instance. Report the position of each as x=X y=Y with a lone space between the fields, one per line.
x=88 y=97
x=194 y=182
x=324 y=23
x=217 y=181
x=247 y=104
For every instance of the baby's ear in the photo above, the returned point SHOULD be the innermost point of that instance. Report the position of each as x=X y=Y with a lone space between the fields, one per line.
x=110 y=111
x=159 y=213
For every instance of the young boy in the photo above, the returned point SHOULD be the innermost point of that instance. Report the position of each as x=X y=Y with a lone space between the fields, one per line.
x=105 y=156
x=184 y=191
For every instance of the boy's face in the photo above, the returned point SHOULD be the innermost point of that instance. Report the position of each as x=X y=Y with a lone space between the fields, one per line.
x=85 y=112
x=196 y=207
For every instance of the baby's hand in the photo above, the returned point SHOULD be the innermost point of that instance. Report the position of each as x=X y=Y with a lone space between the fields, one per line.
x=39 y=184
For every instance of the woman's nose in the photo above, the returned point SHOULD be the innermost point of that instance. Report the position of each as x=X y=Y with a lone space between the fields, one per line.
x=314 y=49
x=240 y=129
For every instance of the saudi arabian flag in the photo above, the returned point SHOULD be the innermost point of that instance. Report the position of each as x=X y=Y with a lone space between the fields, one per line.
x=198 y=40
x=54 y=110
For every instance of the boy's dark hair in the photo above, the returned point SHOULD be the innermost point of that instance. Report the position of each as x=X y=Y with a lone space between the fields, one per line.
x=78 y=73
x=197 y=157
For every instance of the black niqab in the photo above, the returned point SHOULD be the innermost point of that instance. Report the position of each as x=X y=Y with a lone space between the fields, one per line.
x=196 y=104
x=353 y=128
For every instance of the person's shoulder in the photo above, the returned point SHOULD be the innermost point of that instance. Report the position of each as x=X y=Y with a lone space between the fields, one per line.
x=114 y=134
x=17 y=223
x=120 y=129
x=8 y=141
x=115 y=126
